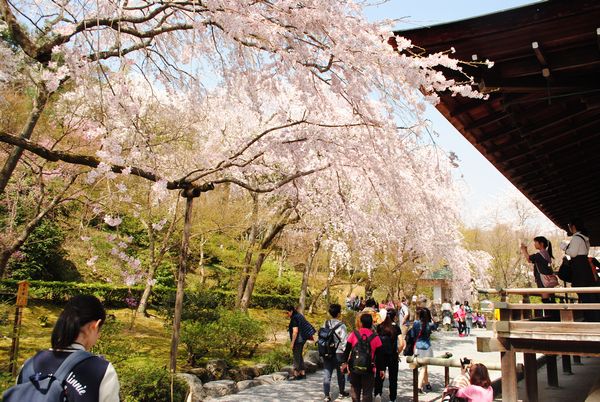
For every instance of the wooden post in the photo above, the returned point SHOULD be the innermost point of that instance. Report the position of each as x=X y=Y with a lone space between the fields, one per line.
x=531 y=384
x=552 y=370
x=416 y=384
x=566 y=364
x=181 y=280
x=508 y=362
x=446 y=376
x=22 y=293
x=577 y=361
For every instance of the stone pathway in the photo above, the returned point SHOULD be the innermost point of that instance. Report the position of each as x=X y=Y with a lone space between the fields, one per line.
x=572 y=388
x=311 y=389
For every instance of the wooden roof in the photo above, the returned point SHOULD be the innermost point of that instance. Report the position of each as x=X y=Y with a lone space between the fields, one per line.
x=540 y=126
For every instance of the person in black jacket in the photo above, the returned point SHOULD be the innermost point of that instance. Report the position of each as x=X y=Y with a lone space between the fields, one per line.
x=300 y=331
x=389 y=332
x=78 y=328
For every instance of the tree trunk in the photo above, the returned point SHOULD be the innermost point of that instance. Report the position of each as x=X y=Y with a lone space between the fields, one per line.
x=266 y=243
x=155 y=262
x=245 y=302
x=305 y=274
x=39 y=102
x=248 y=257
x=189 y=202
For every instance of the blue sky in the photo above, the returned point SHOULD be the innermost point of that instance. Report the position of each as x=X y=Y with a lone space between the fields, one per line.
x=484 y=182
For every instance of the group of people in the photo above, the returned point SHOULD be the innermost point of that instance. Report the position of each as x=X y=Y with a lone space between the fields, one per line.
x=362 y=357
x=461 y=316
x=577 y=267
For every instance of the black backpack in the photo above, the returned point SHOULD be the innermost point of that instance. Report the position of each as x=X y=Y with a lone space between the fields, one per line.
x=361 y=361
x=36 y=387
x=327 y=343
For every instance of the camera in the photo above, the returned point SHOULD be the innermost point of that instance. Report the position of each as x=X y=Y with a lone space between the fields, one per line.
x=465 y=362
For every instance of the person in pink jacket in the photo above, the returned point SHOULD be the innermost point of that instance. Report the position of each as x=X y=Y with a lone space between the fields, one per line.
x=480 y=389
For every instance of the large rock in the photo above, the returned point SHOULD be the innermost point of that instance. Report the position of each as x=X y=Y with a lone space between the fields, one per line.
x=202 y=373
x=216 y=389
x=310 y=367
x=250 y=371
x=313 y=357
x=242 y=385
x=280 y=376
x=196 y=390
x=239 y=375
x=217 y=368
x=265 y=379
x=288 y=369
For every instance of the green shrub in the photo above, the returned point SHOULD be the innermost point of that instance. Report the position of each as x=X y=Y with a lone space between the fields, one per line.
x=234 y=333
x=277 y=358
x=162 y=297
x=42 y=255
x=239 y=333
x=113 y=344
x=149 y=383
x=197 y=338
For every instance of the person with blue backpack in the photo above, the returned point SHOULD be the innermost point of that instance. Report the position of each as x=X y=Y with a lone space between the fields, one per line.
x=300 y=331
x=68 y=371
x=331 y=342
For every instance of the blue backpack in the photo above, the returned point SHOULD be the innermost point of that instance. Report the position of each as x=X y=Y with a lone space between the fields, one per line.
x=36 y=387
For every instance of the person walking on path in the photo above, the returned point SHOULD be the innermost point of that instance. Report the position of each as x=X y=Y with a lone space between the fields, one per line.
x=468 y=318
x=421 y=331
x=459 y=316
x=87 y=377
x=362 y=379
x=404 y=317
x=389 y=332
x=300 y=331
x=334 y=362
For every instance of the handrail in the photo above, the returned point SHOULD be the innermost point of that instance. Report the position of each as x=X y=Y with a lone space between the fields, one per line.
x=443 y=362
x=534 y=291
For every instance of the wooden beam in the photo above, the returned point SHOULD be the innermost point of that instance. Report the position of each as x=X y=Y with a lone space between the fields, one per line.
x=508 y=362
x=549 y=306
x=488 y=344
x=538 y=54
x=531 y=384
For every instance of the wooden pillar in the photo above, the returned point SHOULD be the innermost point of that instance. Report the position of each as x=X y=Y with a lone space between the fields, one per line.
x=552 y=370
x=446 y=376
x=508 y=363
x=577 y=361
x=531 y=384
x=566 y=364
x=416 y=384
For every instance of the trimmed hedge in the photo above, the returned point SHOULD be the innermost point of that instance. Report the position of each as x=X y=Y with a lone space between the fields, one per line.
x=114 y=295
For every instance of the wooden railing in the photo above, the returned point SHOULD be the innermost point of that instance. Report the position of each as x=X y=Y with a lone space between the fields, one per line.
x=551 y=329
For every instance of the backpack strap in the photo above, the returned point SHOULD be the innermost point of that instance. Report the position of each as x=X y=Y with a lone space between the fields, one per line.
x=27 y=371
x=70 y=362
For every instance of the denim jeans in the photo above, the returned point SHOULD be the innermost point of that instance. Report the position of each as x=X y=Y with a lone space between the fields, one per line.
x=329 y=365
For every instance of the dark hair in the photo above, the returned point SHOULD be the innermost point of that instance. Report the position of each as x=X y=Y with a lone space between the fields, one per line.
x=371 y=303
x=79 y=311
x=424 y=316
x=578 y=223
x=480 y=376
x=546 y=243
x=290 y=308
x=334 y=310
x=387 y=327
x=366 y=320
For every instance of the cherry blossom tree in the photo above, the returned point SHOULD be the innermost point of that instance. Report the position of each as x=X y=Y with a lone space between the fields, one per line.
x=261 y=95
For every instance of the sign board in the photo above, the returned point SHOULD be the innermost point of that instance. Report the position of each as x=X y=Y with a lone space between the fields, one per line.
x=22 y=293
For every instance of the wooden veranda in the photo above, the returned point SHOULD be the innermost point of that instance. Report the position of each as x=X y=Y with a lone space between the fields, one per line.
x=540 y=127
